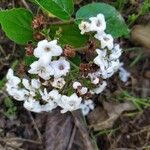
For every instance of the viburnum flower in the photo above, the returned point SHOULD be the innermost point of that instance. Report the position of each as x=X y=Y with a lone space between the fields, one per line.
x=51 y=96
x=19 y=94
x=13 y=81
x=124 y=74
x=61 y=67
x=113 y=66
x=58 y=83
x=49 y=106
x=98 y=23
x=94 y=77
x=76 y=85
x=83 y=90
x=43 y=70
x=70 y=103
x=100 y=88
x=115 y=52
x=101 y=60
x=106 y=40
x=45 y=50
x=86 y=107
x=35 y=84
x=32 y=105
x=84 y=27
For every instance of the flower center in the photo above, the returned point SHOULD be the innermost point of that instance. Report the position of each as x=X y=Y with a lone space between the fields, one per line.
x=47 y=49
x=106 y=39
x=98 y=23
x=61 y=67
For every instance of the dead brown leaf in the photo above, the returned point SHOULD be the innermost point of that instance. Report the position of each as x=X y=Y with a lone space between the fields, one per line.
x=141 y=35
x=104 y=118
x=58 y=130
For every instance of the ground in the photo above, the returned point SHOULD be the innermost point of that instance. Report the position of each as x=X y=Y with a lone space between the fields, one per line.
x=121 y=119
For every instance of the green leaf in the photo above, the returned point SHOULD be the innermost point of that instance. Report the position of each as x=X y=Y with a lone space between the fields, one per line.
x=16 y=23
x=63 y=9
x=115 y=23
x=76 y=60
x=68 y=34
x=29 y=60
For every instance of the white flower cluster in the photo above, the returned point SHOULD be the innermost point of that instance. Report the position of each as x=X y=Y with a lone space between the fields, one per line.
x=107 y=54
x=47 y=94
x=34 y=94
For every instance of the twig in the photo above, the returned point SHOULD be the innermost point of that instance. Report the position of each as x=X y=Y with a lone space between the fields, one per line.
x=35 y=126
x=72 y=138
x=25 y=4
x=19 y=139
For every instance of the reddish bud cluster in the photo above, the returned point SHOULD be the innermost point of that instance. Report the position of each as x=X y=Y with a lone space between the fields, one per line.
x=69 y=51
x=38 y=22
x=29 y=50
x=87 y=68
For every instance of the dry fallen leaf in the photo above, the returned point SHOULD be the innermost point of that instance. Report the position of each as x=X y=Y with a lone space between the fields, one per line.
x=58 y=130
x=104 y=118
x=141 y=35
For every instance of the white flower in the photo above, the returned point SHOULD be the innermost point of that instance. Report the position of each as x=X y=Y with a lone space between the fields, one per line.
x=98 y=23
x=106 y=40
x=85 y=109
x=116 y=52
x=45 y=50
x=13 y=81
x=49 y=106
x=112 y=68
x=83 y=90
x=123 y=74
x=101 y=60
x=20 y=94
x=58 y=83
x=84 y=27
x=51 y=96
x=70 y=103
x=76 y=85
x=43 y=70
x=94 y=77
x=87 y=106
x=100 y=88
x=61 y=67
x=35 y=84
x=32 y=105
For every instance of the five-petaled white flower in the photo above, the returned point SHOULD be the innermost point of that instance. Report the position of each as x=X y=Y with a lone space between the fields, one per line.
x=13 y=81
x=58 y=83
x=100 y=88
x=101 y=59
x=45 y=50
x=61 y=67
x=84 y=27
x=32 y=105
x=115 y=52
x=124 y=74
x=70 y=103
x=98 y=23
x=86 y=107
x=51 y=96
x=43 y=70
x=106 y=40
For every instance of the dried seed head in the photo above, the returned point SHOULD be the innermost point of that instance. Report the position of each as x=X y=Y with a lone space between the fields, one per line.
x=29 y=50
x=87 y=68
x=69 y=51
x=38 y=22
x=90 y=52
x=21 y=71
